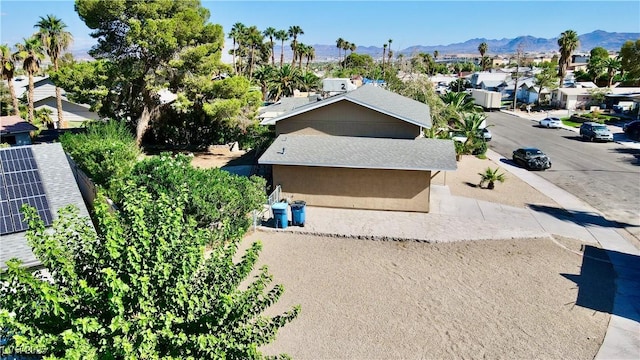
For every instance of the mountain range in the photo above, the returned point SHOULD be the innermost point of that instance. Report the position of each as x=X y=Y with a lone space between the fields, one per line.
x=611 y=41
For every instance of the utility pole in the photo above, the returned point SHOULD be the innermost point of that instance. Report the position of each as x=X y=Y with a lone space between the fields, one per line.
x=515 y=89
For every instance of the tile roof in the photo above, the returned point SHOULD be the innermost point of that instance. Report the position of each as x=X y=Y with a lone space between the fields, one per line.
x=375 y=98
x=61 y=189
x=361 y=152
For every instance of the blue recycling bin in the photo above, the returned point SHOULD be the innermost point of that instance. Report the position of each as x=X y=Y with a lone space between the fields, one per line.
x=280 y=216
x=298 y=212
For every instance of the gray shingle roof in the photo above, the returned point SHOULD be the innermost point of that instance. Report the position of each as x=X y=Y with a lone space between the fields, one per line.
x=361 y=152
x=375 y=98
x=61 y=189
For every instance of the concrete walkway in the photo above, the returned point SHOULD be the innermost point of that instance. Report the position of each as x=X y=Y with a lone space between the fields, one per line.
x=454 y=218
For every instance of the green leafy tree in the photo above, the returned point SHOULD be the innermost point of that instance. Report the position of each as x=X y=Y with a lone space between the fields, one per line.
x=7 y=69
x=88 y=82
x=545 y=79
x=490 y=176
x=139 y=287
x=568 y=43
x=141 y=38
x=55 y=40
x=31 y=52
x=596 y=66
x=630 y=61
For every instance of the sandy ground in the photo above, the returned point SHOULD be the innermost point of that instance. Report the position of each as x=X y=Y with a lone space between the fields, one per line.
x=365 y=299
x=499 y=299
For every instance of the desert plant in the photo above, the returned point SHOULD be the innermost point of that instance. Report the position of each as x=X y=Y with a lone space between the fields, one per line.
x=490 y=176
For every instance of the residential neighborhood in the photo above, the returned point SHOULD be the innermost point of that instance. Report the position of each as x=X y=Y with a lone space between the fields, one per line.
x=189 y=190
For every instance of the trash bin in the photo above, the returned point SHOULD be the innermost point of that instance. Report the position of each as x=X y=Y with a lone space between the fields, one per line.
x=280 y=216
x=297 y=212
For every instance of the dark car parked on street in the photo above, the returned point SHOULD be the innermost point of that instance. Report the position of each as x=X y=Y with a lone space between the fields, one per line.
x=632 y=129
x=531 y=158
x=595 y=132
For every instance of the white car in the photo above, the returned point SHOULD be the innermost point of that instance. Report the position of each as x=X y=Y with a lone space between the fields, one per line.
x=551 y=122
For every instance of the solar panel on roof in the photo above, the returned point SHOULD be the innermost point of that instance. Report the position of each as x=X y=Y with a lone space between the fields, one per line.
x=20 y=184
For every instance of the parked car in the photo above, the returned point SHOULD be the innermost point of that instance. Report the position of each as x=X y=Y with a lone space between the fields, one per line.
x=593 y=131
x=632 y=129
x=486 y=134
x=551 y=122
x=531 y=158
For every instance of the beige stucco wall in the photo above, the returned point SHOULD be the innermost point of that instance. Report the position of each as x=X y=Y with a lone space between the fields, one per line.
x=399 y=190
x=345 y=118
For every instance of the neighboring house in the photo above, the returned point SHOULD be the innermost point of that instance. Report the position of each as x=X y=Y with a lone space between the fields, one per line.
x=44 y=96
x=362 y=149
x=577 y=98
x=486 y=77
x=14 y=130
x=45 y=179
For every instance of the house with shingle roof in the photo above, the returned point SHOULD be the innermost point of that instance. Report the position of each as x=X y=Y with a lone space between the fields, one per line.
x=60 y=189
x=361 y=149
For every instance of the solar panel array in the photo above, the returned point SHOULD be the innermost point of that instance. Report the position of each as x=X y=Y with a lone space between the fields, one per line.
x=20 y=184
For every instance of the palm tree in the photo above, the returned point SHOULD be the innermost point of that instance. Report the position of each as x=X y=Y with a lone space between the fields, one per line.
x=55 y=41
x=283 y=36
x=568 y=43
x=390 y=54
x=311 y=55
x=345 y=46
x=482 y=48
x=384 y=54
x=460 y=102
x=339 y=45
x=263 y=76
x=271 y=33
x=31 y=52
x=470 y=128
x=293 y=33
x=352 y=47
x=7 y=68
x=254 y=40
x=491 y=176
x=309 y=81
x=435 y=54
x=613 y=65
x=237 y=30
x=285 y=80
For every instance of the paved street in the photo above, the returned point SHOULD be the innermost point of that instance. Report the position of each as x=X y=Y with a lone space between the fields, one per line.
x=604 y=175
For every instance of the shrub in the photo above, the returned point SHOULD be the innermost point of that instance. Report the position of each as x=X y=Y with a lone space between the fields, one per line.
x=216 y=198
x=106 y=152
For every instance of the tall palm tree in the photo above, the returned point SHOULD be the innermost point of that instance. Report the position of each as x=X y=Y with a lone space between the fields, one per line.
x=271 y=33
x=310 y=54
x=345 y=46
x=482 y=48
x=436 y=53
x=389 y=54
x=285 y=80
x=384 y=54
x=55 y=40
x=31 y=52
x=7 y=68
x=283 y=36
x=254 y=40
x=568 y=43
x=236 y=33
x=352 y=47
x=613 y=65
x=293 y=33
x=339 y=45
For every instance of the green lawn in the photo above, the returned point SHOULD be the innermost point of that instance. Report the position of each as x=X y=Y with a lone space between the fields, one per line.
x=566 y=121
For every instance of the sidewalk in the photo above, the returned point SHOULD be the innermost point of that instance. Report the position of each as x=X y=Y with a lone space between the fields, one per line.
x=618 y=135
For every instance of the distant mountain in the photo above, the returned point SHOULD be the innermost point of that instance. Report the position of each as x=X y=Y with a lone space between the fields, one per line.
x=609 y=40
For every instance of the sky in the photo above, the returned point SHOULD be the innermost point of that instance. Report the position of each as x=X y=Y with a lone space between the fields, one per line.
x=369 y=23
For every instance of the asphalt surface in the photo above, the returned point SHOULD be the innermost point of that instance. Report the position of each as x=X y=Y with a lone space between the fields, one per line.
x=604 y=175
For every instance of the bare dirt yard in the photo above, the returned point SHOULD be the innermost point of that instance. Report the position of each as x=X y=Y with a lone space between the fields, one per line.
x=221 y=155
x=497 y=299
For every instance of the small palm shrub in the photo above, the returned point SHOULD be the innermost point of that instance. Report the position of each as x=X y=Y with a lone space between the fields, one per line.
x=490 y=176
